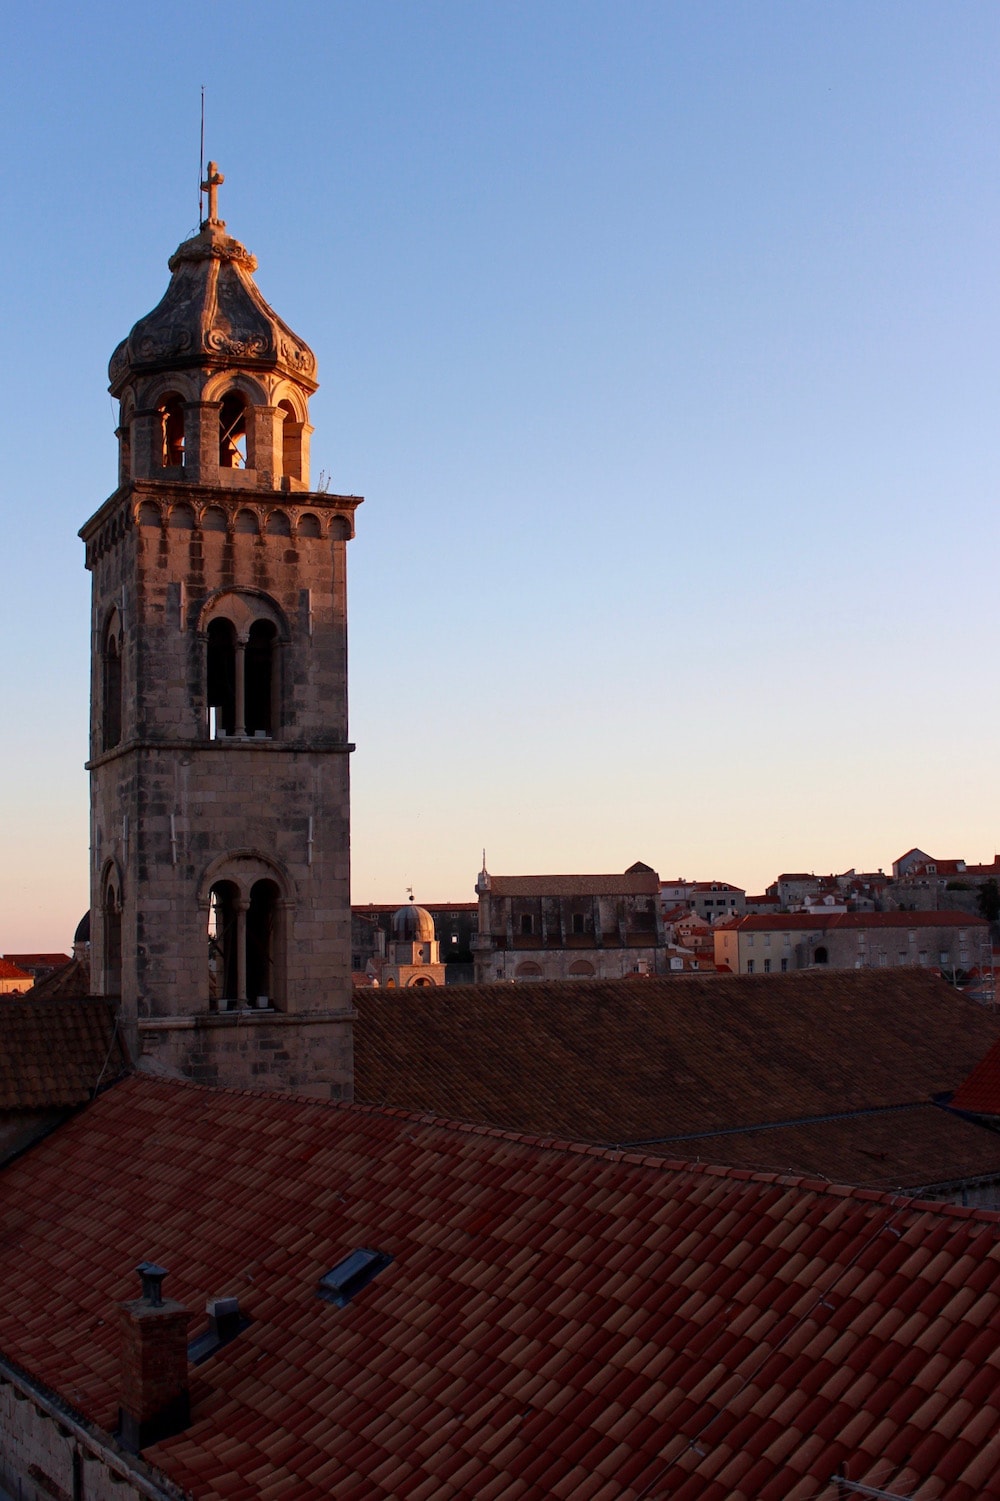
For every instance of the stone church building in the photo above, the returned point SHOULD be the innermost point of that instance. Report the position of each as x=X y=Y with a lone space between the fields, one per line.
x=219 y=750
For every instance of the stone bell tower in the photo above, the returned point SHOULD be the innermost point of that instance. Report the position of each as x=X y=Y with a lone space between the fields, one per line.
x=219 y=754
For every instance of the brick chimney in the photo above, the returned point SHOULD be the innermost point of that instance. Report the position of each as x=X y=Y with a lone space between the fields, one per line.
x=154 y=1369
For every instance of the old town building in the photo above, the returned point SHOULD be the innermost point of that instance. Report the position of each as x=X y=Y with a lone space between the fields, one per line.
x=219 y=751
x=947 y=941
x=569 y=927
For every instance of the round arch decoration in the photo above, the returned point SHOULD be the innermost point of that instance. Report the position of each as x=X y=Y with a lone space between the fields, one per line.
x=242 y=607
x=173 y=383
x=224 y=381
x=112 y=877
x=244 y=868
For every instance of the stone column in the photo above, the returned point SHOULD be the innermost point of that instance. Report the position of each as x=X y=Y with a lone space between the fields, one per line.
x=240 y=710
x=147 y=444
x=242 y=907
x=264 y=444
x=201 y=441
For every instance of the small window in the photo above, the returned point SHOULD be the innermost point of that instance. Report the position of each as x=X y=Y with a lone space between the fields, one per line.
x=233 y=431
x=527 y=924
x=749 y=966
x=784 y=966
x=767 y=966
x=171 y=415
x=577 y=922
x=352 y=1274
x=821 y=956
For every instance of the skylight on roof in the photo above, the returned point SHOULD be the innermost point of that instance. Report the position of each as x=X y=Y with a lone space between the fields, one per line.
x=349 y=1276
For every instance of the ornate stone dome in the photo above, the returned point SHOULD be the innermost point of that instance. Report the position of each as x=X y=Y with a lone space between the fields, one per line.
x=212 y=315
x=412 y=924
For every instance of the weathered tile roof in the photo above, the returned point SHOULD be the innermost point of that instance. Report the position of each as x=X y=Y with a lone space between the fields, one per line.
x=11 y=971
x=557 y=1322
x=54 y=1053
x=606 y=1061
x=980 y=1092
x=919 y=1148
x=40 y=961
x=638 y=883
x=70 y=981
x=766 y=922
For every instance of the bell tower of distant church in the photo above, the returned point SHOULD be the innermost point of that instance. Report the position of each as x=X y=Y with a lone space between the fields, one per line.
x=219 y=756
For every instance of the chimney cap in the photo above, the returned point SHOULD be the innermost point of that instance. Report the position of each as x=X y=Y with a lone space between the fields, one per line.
x=152 y=1282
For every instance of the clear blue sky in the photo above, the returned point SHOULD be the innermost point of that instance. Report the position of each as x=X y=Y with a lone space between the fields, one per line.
x=662 y=340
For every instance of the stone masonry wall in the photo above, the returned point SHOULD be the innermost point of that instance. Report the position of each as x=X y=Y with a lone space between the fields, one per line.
x=170 y=801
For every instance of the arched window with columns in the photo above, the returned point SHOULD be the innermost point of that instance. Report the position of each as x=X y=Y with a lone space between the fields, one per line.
x=244 y=633
x=248 y=900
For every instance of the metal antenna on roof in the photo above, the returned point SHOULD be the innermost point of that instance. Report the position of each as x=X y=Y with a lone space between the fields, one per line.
x=201 y=158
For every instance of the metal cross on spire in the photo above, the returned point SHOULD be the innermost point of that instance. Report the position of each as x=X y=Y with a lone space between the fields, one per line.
x=211 y=186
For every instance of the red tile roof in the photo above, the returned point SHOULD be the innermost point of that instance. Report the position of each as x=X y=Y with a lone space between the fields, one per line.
x=38 y=961
x=819 y=917
x=363 y=909
x=70 y=981
x=11 y=971
x=55 y=1053
x=980 y=1092
x=638 y=883
x=556 y=1321
x=919 y=1147
x=605 y=1061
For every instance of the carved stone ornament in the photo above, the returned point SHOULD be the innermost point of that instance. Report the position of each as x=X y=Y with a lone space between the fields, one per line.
x=212 y=315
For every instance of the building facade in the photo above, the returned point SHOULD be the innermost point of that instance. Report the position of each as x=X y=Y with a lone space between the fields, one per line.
x=947 y=941
x=569 y=927
x=219 y=752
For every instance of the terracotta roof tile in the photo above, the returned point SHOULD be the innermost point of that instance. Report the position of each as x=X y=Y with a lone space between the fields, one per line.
x=55 y=1053
x=663 y=1372
x=824 y=1073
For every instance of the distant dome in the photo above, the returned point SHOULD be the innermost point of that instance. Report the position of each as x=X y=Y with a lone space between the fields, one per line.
x=412 y=925
x=82 y=934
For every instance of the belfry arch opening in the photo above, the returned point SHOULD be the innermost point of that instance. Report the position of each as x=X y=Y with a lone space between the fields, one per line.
x=262 y=922
x=260 y=678
x=111 y=686
x=244 y=933
x=171 y=416
x=242 y=679
x=291 y=441
x=223 y=979
x=233 y=431
x=221 y=678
